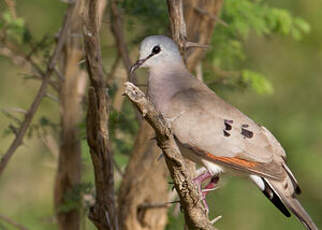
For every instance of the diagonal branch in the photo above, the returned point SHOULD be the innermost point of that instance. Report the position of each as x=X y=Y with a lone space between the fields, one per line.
x=41 y=93
x=195 y=214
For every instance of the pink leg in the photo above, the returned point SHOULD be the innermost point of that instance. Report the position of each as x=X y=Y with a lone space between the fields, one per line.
x=210 y=186
x=201 y=178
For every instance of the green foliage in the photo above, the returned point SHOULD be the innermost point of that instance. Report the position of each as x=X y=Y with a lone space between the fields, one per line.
x=153 y=14
x=15 y=28
x=243 y=18
x=257 y=82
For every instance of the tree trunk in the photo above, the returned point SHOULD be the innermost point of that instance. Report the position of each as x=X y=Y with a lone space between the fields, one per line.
x=145 y=183
x=103 y=213
x=69 y=162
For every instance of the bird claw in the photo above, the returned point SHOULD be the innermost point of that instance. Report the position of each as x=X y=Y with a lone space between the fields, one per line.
x=211 y=186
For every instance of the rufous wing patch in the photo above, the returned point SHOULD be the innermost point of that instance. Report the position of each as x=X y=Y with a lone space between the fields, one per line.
x=233 y=160
x=268 y=170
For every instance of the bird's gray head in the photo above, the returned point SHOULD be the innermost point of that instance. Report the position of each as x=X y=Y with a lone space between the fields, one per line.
x=157 y=51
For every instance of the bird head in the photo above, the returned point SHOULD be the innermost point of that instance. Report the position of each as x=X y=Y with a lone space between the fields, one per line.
x=157 y=51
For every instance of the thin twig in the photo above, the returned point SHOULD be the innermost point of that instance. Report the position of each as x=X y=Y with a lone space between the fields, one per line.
x=11 y=116
x=111 y=74
x=41 y=93
x=213 y=17
x=20 y=58
x=157 y=205
x=52 y=97
x=118 y=169
x=117 y=29
x=13 y=223
x=59 y=75
x=35 y=48
x=16 y=110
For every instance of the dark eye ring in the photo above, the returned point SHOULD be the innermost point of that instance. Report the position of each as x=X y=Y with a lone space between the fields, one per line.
x=156 y=50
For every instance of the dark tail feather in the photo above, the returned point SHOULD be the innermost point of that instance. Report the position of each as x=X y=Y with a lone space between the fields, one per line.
x=275 y=199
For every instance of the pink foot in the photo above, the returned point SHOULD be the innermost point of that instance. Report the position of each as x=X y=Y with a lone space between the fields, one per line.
x=209 y=187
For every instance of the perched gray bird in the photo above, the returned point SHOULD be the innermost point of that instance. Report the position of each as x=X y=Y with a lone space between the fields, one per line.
x=213 y=133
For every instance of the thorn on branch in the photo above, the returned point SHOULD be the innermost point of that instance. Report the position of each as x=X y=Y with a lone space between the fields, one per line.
x=213 y=17
x=215 y=220
x=188 y=44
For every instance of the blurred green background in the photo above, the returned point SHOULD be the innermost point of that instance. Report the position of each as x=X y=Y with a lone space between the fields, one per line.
x=287 y=101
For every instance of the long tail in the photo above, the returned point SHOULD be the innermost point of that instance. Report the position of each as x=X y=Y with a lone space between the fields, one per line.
x=281 y=194
x=292 y=203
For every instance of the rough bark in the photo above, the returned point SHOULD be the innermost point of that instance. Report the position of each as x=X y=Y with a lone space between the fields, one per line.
x=145 y=182
x=103 y=213
x=69 y=162
x=194 y=211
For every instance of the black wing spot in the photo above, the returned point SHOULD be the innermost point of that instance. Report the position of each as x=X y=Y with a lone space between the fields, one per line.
x=227 y=125
x=229 y=121
x=226 y=134
x=245 y=126
x=286 y=185
x=246 y=133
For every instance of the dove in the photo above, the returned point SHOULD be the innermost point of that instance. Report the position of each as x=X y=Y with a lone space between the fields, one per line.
x=213 y=133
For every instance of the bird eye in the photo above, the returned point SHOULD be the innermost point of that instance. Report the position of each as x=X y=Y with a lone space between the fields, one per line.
x=156 y=50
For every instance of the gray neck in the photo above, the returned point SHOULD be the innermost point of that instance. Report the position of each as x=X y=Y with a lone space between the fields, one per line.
x=164 y=83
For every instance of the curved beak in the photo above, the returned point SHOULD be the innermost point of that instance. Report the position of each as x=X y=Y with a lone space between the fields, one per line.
x=138 y=63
